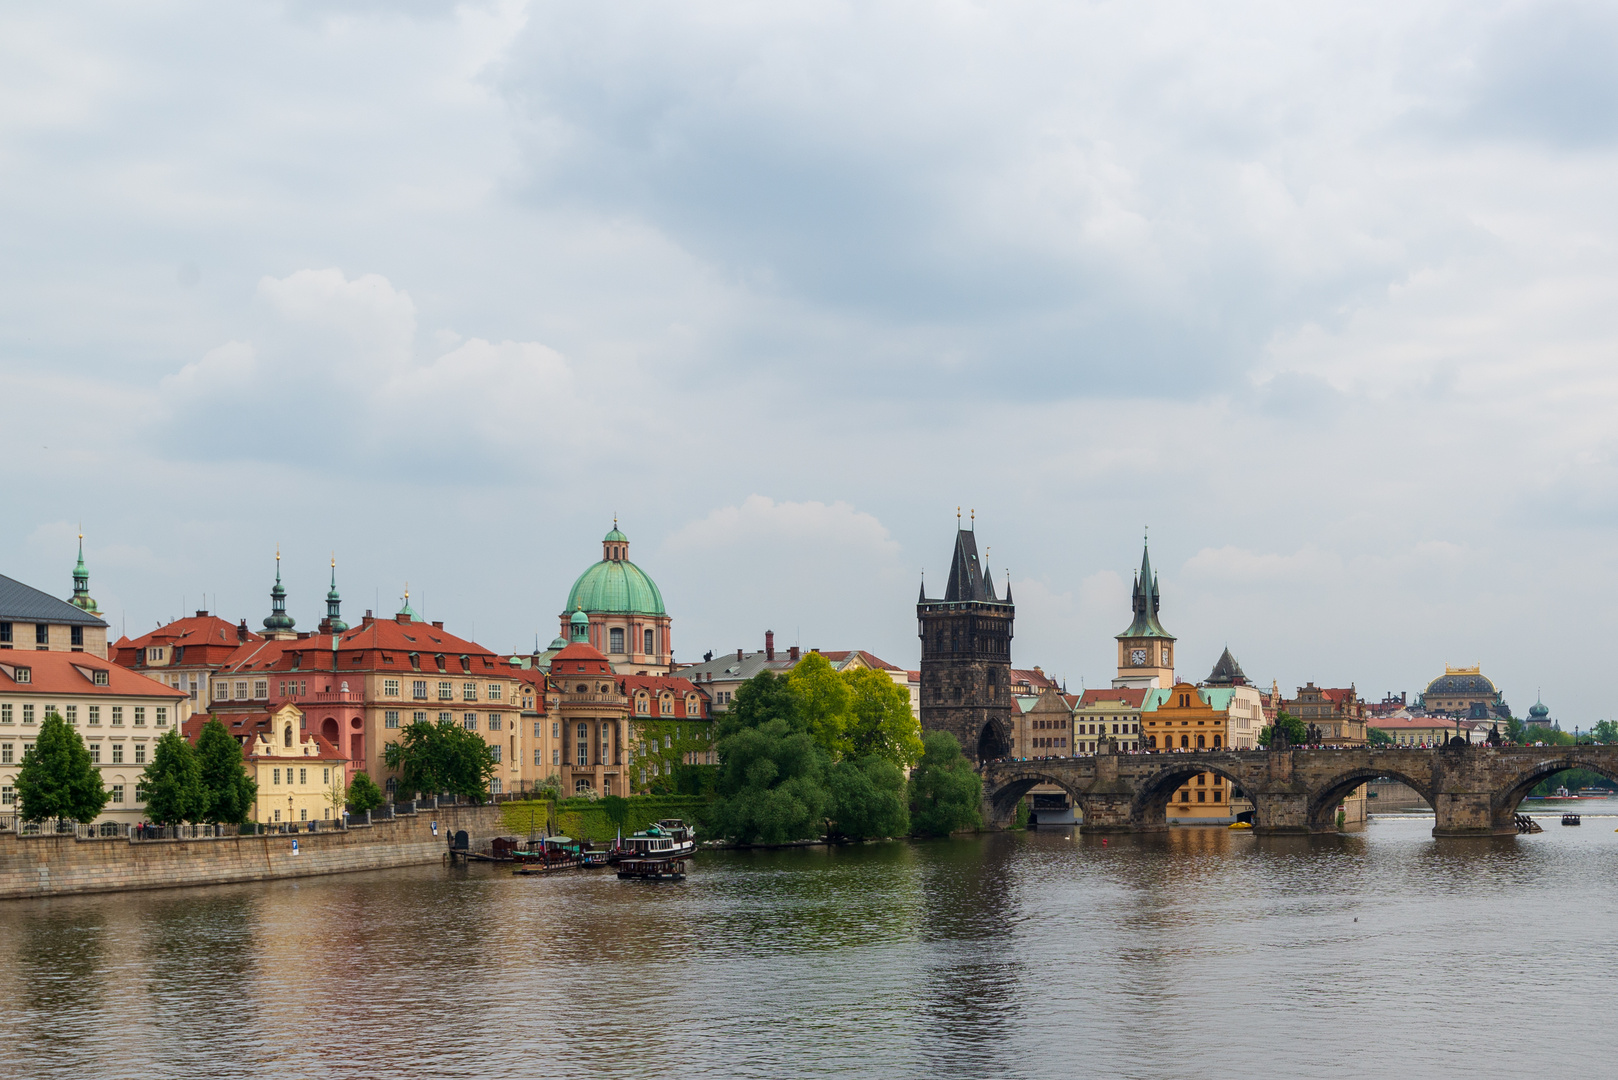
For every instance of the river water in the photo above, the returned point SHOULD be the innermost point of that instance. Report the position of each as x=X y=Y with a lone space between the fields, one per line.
x=1199 y=953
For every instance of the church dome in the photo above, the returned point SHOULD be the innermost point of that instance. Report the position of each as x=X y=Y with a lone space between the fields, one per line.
x=1538 y=709
x=615 y=585
x=1462 y=681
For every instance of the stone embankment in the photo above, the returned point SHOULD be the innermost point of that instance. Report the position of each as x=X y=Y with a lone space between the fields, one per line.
x=65 y=865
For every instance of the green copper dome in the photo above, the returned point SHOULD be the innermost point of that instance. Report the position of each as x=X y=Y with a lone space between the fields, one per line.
x=615 y=585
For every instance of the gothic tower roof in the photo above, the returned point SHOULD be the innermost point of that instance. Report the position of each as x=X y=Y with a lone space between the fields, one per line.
x=1145 y=600
x=1227 y=672
x=965 y=574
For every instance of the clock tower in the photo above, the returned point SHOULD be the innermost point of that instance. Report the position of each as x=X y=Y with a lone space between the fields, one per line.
x=1145 y=650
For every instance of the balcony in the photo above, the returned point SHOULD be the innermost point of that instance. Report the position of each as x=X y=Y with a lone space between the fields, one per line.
x=336 y=698
x=595 y=699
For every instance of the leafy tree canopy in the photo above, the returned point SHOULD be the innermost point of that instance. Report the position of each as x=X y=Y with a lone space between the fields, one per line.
x=441 y=758
x=868 y=798
x=823 y=699
x=764 y=697
x=1297 y=732
x=879 y=720
x=229 y=789
x=363 y=793
x=1374 y=736
x=173 y=782
x=770 y=785
x=56 y=779
x=946 y=793
x=1605 y=731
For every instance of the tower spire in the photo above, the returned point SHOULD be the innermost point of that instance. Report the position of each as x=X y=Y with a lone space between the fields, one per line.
x=278 y=624
x=333 y=623
x=81 y=583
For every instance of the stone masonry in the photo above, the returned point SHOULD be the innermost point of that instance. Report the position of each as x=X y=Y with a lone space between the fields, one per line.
x=64 y=865
x=1474 y=790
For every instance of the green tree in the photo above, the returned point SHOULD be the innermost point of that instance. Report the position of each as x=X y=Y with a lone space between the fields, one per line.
x=172 y=783
x=56 y=779
x=224 y=775
x=363 y=793
x=765 y=697
x=946 y=793
x=1373 y=736
x=868 y=798
x=879 y=719
x=1604 y=732
x=823 y=699
x=771 y=785
x=441 y=758
x=1297 y=732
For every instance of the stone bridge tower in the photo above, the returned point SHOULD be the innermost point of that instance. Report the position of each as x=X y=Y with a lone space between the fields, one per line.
x=966 y=656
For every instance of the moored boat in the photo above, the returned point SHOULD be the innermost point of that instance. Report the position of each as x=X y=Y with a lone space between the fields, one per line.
x=655 y=869
x=670 y=838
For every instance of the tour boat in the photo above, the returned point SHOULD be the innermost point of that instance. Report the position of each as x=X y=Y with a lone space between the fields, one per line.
x=1560 y=796
x=670 y=838
x=551 y=853
x=1595 y=793
x=659 y=869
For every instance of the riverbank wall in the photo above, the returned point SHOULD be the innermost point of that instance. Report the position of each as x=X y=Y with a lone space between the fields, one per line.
x=35 y=866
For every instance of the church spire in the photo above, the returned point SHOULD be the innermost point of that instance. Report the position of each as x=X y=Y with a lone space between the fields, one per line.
x=81 y=585
x=333 y=623
x=1145 y=600
x=278 y=623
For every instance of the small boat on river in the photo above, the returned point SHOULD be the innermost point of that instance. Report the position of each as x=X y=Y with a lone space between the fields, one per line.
x=550 y=854
x=670 y=838
x=1560 y=796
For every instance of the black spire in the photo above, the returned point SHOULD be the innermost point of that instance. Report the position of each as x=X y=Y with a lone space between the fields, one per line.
x=923 y=598
x=965 y=575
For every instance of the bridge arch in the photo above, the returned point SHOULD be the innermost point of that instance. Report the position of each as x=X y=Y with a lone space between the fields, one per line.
x=1325 y=798
x=1011 y=786
x=1149 y=808
x=1512 y=795
x=994 y=741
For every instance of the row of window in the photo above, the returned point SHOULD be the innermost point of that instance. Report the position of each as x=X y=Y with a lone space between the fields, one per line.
x=496 y=722
x=446 y=690
x=303 y=776
x=615 y=641
x=70 y=713
x=8 y=797
x=42 y=634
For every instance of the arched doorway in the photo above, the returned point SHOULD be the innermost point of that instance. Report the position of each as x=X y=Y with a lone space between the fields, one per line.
x=993 y=742
x=328 y=730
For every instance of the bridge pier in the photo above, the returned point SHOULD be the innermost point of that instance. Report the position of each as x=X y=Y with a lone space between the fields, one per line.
x=1111 y=812
x=1280 y=812
x=1467 y=813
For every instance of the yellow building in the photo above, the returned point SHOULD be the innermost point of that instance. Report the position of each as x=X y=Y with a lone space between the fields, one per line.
x=300 y=775
x=1185 y=719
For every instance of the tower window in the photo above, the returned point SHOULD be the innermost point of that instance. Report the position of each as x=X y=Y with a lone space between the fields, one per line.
x=651 y=643
x=615 y=638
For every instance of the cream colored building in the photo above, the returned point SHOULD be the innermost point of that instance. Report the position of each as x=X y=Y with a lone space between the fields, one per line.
x=117 y=713
x=299 y=775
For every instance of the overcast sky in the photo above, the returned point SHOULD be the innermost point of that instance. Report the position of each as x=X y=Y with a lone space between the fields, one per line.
x=1324 y=294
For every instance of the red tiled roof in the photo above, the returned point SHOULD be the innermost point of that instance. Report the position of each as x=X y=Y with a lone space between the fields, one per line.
x=1124 y=695
x=72 y=673
x=580 y=658
x=377 y=645
x=1034 y=678
x=195 y=632
x=656 y=684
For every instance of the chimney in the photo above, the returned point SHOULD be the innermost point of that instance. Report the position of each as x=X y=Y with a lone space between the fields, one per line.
x=203 y=614
x=241 y=630
x=792 y=654
x=738 y=654
x=769 y=644
x=438 y=624
x=401 y=618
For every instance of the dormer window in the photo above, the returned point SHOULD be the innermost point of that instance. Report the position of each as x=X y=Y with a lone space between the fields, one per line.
x=23 y=675
x=99 y=677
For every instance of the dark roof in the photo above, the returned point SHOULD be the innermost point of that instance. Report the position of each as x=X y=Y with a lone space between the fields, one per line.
x=1227 y=672
x=965 y=574
x=23 y=603
x=1145 y=601
x=1474 y=685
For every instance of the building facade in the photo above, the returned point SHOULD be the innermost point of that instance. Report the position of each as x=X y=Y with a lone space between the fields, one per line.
x=1108 y=714
x=966 y=657
x=1466 y=693
x=1335 y=715
x=117 y=713
x=34 y=621
x=186 y=653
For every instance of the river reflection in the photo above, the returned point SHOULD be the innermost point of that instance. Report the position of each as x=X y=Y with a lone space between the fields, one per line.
x=1195 y=953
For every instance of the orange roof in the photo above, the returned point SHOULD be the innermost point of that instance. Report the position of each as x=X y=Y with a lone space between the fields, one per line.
x=74 y=673
x=580 y=658
x=196 y=631
x=656 y=684
x=1123 y=695
x=248 y=727
x=1033 y=678
x=836 y=657
x=374 y=645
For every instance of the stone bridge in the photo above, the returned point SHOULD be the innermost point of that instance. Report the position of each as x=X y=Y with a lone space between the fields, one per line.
x=1473 y=789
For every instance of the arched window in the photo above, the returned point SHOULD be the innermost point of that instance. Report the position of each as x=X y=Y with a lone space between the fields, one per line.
x=1185 y=740
x=1151 y=741
x=1216 y=742
x=1200 y=743
x=651 y=643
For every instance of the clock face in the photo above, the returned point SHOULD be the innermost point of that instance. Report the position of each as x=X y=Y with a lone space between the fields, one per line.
x=1137 y=657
